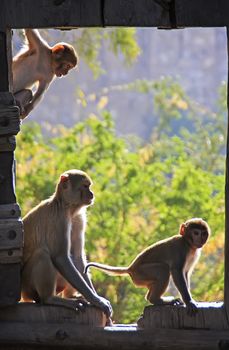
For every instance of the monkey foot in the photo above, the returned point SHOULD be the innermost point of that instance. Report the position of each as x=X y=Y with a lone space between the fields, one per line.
x=176 y=302
x=78 y=305
x=168 y=301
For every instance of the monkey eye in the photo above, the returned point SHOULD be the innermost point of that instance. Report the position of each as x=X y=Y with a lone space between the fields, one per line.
x=196 y=233
x=86 y=186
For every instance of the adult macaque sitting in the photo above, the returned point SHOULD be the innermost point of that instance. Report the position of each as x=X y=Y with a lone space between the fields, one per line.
x=175 y=256
x=38 y=63
x=54 y=257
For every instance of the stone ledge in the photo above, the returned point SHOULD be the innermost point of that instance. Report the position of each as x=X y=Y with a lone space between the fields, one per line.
x=209 y=316
x=69 y=336
x=35 y=313
x=28 y=326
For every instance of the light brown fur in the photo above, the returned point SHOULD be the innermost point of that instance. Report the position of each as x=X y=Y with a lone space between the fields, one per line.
x=54 y=257
x=38 y=64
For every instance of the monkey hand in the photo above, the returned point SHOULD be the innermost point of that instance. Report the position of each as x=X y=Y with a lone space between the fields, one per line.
x=191 y=308
x=23 y=98
x=21 y=108
x=26 y=110
x=109 y=322
x=103 y=304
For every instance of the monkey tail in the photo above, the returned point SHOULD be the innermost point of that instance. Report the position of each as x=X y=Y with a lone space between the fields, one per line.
x=110 y=270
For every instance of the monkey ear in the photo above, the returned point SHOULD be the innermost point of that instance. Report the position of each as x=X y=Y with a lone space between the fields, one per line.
x=64 y=178
x=58 y=49
x=182 y=229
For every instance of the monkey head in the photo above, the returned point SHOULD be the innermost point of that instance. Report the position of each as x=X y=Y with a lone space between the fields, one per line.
x=64 y=58
x=196 y=232
x=74 y=189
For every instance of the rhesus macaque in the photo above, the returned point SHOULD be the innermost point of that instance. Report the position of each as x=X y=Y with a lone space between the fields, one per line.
x=52 y=257
x=38 y=63
x=175 y=256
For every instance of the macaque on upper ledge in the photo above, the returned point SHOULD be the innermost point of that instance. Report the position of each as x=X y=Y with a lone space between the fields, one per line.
x=37 y=64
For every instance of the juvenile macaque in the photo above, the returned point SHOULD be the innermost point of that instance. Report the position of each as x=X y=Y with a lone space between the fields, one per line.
x=53 y=256
x=38 y=64
x=175 y=256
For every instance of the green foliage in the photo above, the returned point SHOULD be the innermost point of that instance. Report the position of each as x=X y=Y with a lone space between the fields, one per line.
x=144 y=190
x=120 y=41
x=123 y=40
x=88 y=47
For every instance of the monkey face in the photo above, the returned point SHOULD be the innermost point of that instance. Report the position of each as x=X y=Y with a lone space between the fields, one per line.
x=86 y=195
x=63 y=68
x=198 y=237
x=76 y=190
x=64 y=58
x=195 y=231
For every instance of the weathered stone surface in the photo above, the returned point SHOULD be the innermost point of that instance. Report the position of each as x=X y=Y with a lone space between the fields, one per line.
x=209 y=316
x=31 y=312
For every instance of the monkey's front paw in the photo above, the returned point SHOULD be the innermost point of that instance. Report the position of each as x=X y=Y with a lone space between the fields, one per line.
x=26 y=110
x=21 y=108
x=192 y=308
x=109 y=322
x=23 y=114
x=104 y=305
